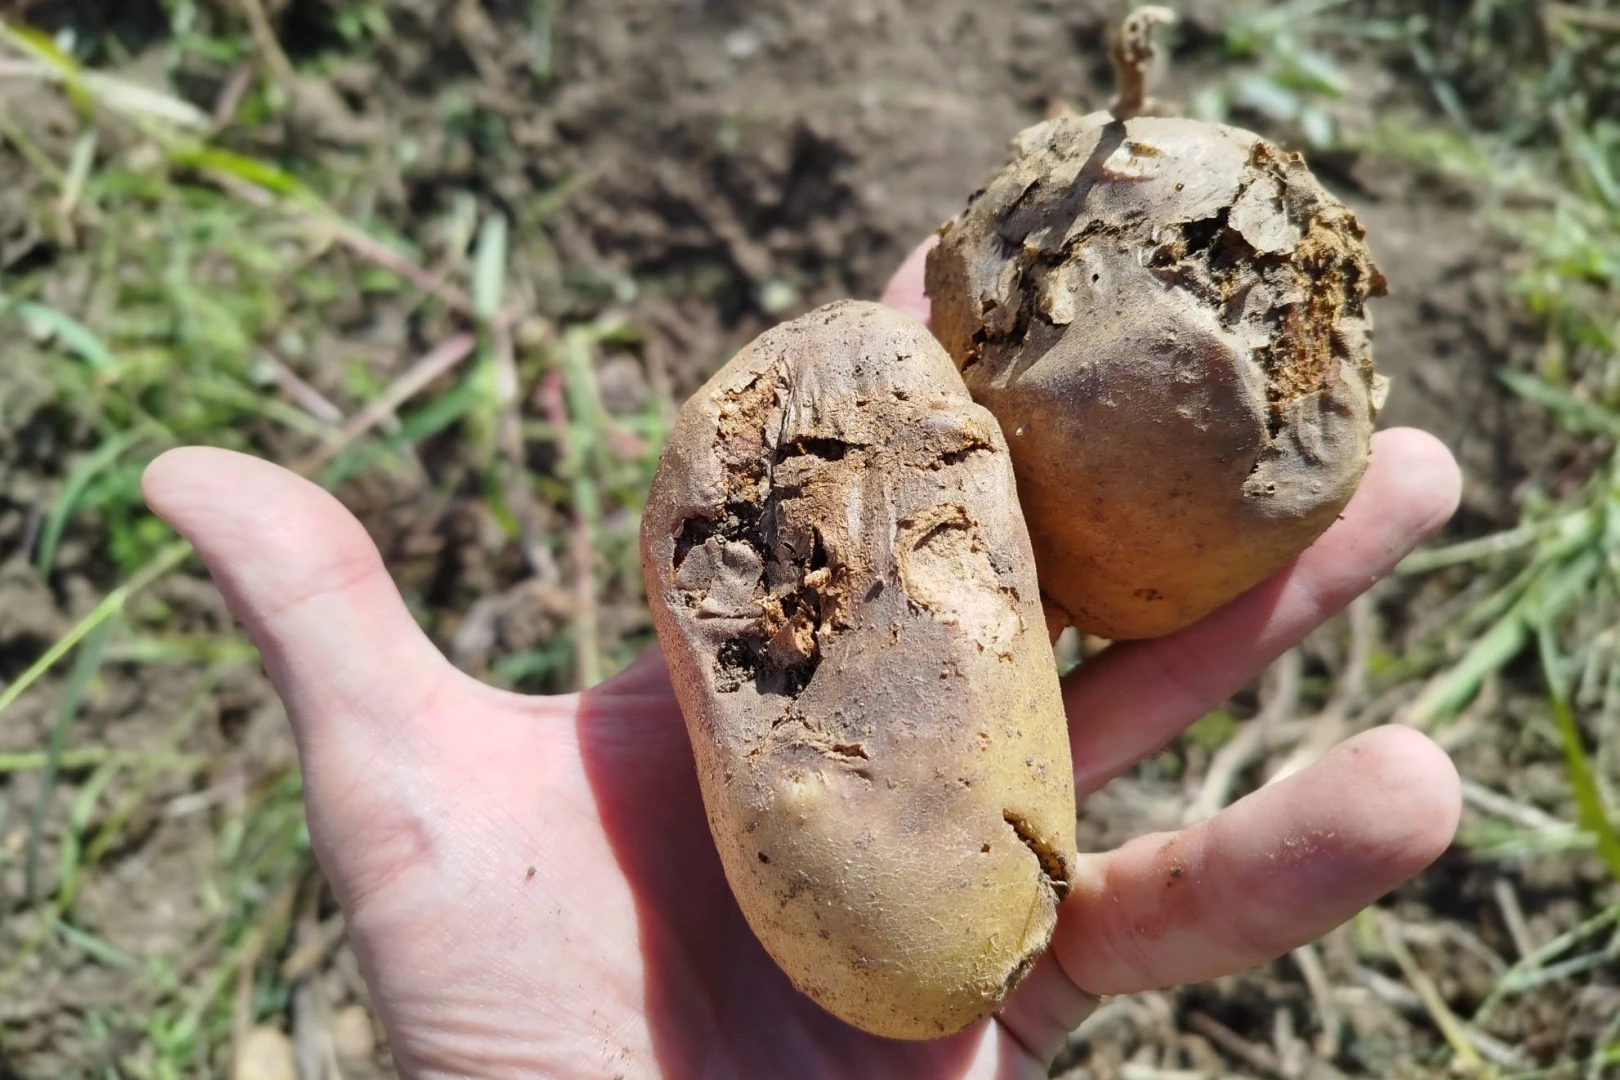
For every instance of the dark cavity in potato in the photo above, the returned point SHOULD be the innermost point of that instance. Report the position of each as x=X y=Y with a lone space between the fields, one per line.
x=845 y=591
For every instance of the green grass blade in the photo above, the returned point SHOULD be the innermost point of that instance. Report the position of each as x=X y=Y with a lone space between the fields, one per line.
x=1515 y=539
x=131 y=99
x=103 y=458
x=41 y=47
x=1449 y=692
x=213 y=648
x=228 y=392
x=489 y=267
x=585 y=410
x=425 y=422
x=84 y=670
x=206 y=158
x=1582 y=417
x=1590 y=811
x=1586 y=157
x=99 y=950
x=89 y=757
x=1559 y=536
x=70 y=862
x=31 y=151
x=142 y=102
x=542 y=16
x=1589 y=928
x=80 y=166
x=78 y=338
x=1607 y=1050
x=165 y=560
x=1558 y=589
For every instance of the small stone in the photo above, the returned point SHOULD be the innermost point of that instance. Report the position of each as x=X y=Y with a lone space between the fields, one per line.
x=265 y=1054
x=743 y=44
x=777 y=296
x=352 y=1034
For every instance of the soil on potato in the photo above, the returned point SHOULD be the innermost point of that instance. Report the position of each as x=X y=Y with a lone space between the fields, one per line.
x=729 y=164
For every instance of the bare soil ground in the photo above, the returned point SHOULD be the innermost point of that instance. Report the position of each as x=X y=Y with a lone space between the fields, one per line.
x=680 y=174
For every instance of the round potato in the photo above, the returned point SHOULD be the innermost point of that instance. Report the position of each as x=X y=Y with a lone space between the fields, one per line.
x=1169 y=320
x=845 y=591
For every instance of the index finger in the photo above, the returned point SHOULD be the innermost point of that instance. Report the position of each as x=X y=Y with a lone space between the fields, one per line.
x=905 y=289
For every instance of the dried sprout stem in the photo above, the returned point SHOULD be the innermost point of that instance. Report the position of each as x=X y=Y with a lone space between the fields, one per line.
x=1328 y=1016
x=1507 y=902
x=1434 y=1002
x=259 y=939
x=269 y=46
x=1346 y=709
x=587 y=653
x=1133 y=54
x=1280 y=699
x=515 y=475
x=312 y=1026
x=442 y=358
x=1261 y=1059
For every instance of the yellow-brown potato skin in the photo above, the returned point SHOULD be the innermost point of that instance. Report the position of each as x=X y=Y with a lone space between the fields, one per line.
x=845 y=592
x=1168 y=319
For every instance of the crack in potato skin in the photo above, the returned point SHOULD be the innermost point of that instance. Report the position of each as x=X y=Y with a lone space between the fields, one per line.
x=1169 y=319
x=844 y=588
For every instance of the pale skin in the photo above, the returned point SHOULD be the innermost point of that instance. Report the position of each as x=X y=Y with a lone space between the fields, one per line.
x=532 y=888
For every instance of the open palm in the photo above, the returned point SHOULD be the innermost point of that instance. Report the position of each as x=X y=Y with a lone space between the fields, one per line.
x=531 y=884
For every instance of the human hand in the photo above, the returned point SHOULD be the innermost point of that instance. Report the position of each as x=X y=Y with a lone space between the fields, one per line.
x=531 y=886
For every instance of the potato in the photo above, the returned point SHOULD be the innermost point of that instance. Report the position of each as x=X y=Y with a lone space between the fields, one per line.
x=1169 y=320
x=844 y=589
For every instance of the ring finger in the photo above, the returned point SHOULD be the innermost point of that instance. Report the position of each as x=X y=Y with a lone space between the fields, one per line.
x=1273 y=871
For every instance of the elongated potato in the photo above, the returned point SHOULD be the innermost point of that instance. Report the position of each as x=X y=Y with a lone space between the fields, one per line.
x=1169 y=319
x=845 y=592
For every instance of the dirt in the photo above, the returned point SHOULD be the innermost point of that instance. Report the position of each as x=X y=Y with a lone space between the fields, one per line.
x=785 y=156
x=722 y=165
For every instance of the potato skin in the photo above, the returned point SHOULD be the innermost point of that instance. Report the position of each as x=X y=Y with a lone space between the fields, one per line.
x=845 y=592
x=1168 y=319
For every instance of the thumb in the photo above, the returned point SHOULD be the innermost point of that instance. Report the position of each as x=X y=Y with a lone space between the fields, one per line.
x=308 y=584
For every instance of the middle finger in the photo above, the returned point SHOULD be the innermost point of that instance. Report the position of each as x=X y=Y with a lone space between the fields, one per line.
x=1136 y=697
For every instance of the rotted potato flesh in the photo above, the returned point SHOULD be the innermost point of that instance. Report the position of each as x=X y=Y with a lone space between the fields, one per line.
x=845 y=591
x=1169 y=319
